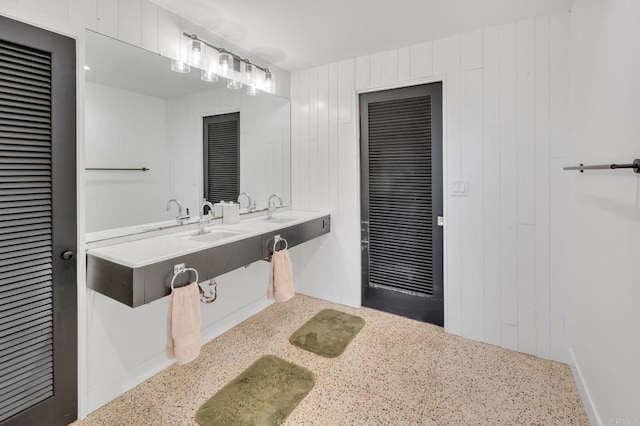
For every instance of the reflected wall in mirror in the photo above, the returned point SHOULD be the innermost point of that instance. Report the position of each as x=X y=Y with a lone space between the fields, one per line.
x=139 y=114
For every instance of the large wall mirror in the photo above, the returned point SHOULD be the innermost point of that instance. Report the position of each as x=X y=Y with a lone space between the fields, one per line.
x=195 y=139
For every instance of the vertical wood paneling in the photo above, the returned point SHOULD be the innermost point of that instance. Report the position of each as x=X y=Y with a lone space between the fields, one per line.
x=295 y=140
x=57 y=8
x=313 y=140
x=129 y=21
x=323 y=137
x=336 y=259
x=526 y=121
x=90 y=14
x=526 y=289
x=440 y=57
x=472 y=226
x=404 y=64
x=542 y=187
x=491 y=210
x=491 y=75
x=560 y=40
x=559 y=205
x=508 y=191
x=363 y=73
x=375 y=70
x=168 y=34
x=389 y=67
x=148 y=25
x=107 y=12
x=305 y=106
x=421 y=60
x=471 y=50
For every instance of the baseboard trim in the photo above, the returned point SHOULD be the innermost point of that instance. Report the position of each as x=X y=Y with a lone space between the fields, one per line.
x=127 y=380
x=585 y=395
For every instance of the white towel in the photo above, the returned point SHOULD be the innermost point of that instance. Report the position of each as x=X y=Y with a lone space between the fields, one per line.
x=183 y=324
x=281 y=277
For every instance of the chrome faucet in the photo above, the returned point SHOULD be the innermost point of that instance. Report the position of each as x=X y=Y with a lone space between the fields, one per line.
x=251 y=205
x=204 y=220
x=180 y=219
x=272 y=206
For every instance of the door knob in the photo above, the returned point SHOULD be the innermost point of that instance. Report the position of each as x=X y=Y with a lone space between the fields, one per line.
x=68 y=255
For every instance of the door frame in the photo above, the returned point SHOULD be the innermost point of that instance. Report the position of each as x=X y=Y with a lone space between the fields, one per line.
x=441 y=78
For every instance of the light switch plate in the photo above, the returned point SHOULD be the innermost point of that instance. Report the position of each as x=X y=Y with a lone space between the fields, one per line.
x=460 y=188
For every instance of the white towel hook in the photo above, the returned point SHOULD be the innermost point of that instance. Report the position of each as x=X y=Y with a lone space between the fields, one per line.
x=179 y=269
x=276 y=240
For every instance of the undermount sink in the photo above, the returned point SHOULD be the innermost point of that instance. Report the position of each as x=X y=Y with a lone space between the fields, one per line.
x=214 y=235
x=281 y=219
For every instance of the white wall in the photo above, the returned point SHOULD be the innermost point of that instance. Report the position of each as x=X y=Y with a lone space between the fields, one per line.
x=506 y=96
x=265 y=143
x=143 y=24
x=126 y=129
x=603 y=313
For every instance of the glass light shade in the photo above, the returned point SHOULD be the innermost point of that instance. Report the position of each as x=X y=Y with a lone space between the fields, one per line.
x=233 y=84
x=249 y=74
x=197 y=54
x=225 y=64
x=253 y=91
x=268 y=82
x=180 y=67
x=208 y=76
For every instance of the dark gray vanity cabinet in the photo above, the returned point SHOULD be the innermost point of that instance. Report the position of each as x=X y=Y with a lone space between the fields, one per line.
x=138 y=286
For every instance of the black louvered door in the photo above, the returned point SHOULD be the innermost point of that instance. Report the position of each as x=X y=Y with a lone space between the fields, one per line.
x=401 y=201
x=38 y=323
x=222 y=157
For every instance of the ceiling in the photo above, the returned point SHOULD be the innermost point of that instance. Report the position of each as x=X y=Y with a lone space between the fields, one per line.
x=295 y=34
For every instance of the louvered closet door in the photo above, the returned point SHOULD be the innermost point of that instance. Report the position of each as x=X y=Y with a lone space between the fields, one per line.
x=401 y=154
x=37 y=225
x=222 y=157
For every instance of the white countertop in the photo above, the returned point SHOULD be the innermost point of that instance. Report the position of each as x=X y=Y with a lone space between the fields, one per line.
x=146 y=251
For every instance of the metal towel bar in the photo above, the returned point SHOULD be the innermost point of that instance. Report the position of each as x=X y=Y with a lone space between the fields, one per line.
x=141 y=169
x=635 y=166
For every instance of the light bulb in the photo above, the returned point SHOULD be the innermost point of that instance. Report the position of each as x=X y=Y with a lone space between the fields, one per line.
x=225 y=64
x=253 y=91
x=180 y=67
x=249 y=74
x=208 y=76
x=233 y=84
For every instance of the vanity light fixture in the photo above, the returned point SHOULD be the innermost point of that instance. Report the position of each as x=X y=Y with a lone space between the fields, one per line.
x=236 y=69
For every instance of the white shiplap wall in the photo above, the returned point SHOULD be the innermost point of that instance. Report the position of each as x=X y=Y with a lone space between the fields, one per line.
x=506 y=99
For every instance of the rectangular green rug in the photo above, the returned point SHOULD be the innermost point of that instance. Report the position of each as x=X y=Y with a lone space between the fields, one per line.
x=328 y=333
x=263 y=394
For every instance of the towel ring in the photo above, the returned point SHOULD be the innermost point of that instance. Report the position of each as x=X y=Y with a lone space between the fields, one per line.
x=179 y=269
x=276 y=240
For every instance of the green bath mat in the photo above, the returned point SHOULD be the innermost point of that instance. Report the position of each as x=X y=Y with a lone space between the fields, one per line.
x=328 y=333
x=263 y=394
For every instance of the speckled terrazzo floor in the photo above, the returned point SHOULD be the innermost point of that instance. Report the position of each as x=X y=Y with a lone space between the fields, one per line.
x=395 y=372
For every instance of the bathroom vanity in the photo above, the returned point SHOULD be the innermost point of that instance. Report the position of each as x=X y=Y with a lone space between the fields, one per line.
x=139 y=272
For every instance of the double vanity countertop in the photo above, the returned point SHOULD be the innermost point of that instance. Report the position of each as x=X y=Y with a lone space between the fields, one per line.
x=155 y=249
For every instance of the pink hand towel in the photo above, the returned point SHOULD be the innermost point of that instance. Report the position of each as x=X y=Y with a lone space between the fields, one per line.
x=281 y=277
x=183 y=324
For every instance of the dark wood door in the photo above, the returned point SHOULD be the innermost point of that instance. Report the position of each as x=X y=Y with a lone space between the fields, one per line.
x=38 y=312
x=401 y=166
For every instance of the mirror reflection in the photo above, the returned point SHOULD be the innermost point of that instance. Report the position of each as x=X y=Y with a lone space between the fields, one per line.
x=154 y=135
